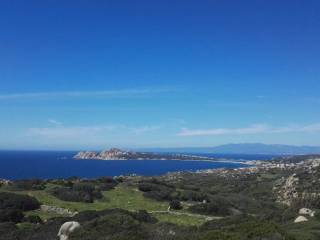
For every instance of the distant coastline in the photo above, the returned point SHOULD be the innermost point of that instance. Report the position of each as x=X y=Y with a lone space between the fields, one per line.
x=116 y=154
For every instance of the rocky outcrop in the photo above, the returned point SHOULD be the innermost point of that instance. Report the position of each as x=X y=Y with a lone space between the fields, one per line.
x=57 y=210
x=5 y=182
x=301 y=188
x=66 y=229
x=112 y=154
x=287 y=190
x=307 y=211
x=300 y=219
x=86 y=155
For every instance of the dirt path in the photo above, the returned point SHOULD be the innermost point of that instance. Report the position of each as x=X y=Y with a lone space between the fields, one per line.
x=207 y=218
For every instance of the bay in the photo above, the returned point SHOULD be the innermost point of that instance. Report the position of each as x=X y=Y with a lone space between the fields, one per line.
x=60 y=164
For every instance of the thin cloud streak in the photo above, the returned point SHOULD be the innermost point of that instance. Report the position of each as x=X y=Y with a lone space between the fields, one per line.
x=68 y=132
x=77 y=94
x=144 y=129
x=54 y=122
x=254 y=129
x=74 y=132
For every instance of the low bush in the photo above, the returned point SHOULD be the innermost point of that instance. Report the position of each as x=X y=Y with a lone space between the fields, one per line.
x=147 y=187
x=18 y=201
x=33 y=219
x=175 y=204
x=157 y=191
x=144 y=216
x=30 y=184
x=61 y=182
x=115 y=225
x=5 y=228
x=189 y=195
x=161 y=195
x=107 y=183
x=80 y=192
x=11 y=215
x=218 y=206
x=242 y=227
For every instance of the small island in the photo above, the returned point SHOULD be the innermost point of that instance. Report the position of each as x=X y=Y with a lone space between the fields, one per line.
x=118 y=154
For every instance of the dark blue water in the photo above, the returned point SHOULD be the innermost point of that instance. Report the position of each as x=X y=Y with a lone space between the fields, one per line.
x=47 y=164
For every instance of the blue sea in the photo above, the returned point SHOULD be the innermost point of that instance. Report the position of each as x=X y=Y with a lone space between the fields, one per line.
x=60 y=164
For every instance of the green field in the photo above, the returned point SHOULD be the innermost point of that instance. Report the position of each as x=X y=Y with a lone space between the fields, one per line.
x=121 y=197
x=180 y=219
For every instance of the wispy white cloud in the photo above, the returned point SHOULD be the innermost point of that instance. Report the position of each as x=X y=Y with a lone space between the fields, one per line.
x=74 y=132
x=144 y=129
x=260 y=96
x=69 y=132
x=54 y=122
x=258 y=128
x=254 y=129
x=77 y=94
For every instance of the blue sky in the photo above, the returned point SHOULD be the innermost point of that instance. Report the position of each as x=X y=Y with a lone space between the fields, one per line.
x=95 y=74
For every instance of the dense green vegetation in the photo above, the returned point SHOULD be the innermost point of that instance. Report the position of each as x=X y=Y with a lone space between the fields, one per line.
x=80 y=192
x=15 y=201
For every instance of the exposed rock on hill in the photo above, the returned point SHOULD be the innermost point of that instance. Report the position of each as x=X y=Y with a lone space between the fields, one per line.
x=300 y=219
x=307 y=211
x=288 y=192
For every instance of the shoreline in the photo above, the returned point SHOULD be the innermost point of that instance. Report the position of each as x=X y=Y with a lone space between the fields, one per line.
x=181 y=160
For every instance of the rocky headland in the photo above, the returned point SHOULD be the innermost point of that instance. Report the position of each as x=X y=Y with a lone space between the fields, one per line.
x=118 y=154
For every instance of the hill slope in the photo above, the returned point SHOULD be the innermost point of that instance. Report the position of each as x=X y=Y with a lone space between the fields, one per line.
x=259 y=148
x=244 y=148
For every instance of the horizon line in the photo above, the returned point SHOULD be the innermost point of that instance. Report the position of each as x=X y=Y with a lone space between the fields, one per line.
x=137 y=148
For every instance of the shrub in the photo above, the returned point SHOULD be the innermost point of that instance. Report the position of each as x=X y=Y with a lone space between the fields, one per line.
x=33 y=219
x=116 y=225
x=61 y=182
x=67 y=194
x=106 y=180
x=83 y=187
x=11 y=215
x=157 y=191
x=147 y=187
x=6 y=227
x=219 y=207
x=242 y=227
x=107 y=186
x=79 y=192
x=159 y=195
x=18 y=201
x=144 y=216
x=85 y=216
x=175 y=204
x=317 y=215
x=192 y=196
x=30 y=184
x=107 y=183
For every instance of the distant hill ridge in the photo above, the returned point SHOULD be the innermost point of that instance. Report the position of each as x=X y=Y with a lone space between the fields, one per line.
x=247 y=148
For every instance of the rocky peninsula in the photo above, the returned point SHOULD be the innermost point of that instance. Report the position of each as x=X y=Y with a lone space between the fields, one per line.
x=118 y=154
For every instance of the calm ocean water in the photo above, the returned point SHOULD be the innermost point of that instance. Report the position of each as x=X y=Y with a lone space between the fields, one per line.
x=49 y=164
